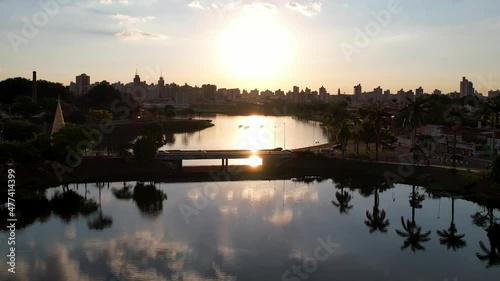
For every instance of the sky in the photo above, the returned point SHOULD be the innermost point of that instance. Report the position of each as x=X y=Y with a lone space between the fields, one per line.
x=273 y=44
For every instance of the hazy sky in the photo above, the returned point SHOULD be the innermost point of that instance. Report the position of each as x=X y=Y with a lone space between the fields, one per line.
x=256 y=44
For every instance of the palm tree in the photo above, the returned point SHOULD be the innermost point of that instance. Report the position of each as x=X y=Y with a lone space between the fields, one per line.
x=414 y=113
x=376 y=221
x=454 y=116
x=491 y=110
x=344 y=133
x=378 y=116
x=412 y=232
x=449 y=237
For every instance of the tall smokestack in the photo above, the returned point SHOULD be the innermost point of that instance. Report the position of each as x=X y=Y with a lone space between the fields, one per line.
x=34 y=91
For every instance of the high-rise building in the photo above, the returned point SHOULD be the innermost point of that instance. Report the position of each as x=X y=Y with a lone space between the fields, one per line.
x=419 y=92
x=436 y=92
x=323 y=94
x=295 y=94
x=161 y=88
x=493 y=94
x=377 y=94
x=82 y=84
x=466 y=88
x=208 y=91
x=357 y=92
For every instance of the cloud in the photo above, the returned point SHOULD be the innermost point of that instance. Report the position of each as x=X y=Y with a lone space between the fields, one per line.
x=310 y=9
x=260 y=7
x=109 y=2
x=197 y=5
x=126 y=19
x=138 y=34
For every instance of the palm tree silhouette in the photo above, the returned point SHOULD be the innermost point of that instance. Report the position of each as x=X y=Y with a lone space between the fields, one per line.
x=376 y=221
x=412 y=232
x=100 y=222
x=491 y=255
x=449 y=237
x=343 y=199
x=377 y=115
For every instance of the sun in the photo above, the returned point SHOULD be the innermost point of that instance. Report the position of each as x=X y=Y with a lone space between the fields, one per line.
x=255 y=48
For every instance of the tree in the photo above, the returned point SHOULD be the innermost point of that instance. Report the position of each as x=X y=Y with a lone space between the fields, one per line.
x=454 y=116
x=71 y=137
x=413 y=114
x=169 y=112
x=378 y=116
x=343 y=132
x=24 y=106
x=16 y=87
x=154 y=131
x=18 y=130
x=449 y=237
x=144 y=149
x=495 y=170
x=96 y=116
x=77 y=117
x=491 y=110
x=155 y=111
x=105 y=97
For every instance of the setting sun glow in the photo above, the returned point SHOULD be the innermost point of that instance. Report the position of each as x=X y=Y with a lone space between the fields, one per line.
x=255 y=48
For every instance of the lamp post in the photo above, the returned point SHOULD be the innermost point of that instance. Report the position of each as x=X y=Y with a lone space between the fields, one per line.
x=284 y=135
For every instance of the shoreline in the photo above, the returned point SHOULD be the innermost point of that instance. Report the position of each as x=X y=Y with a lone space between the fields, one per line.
x=362 y=175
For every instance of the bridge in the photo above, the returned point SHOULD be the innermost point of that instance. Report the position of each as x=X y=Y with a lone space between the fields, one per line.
x=267 y=156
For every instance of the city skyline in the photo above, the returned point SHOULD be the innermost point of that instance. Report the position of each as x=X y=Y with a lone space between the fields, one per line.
x=257 y=44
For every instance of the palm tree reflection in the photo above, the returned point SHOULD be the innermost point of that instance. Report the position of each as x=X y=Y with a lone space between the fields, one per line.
x=343 y=199
x=100 y=221
x=376 y=220
x=491 y=255
x=411 y=231
x=449 y=237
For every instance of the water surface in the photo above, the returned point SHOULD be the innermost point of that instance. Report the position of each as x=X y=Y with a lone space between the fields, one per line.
x=251 y=230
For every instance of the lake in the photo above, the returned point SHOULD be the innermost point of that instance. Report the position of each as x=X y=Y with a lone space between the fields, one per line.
x=298 y=229
x=249 y=132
